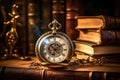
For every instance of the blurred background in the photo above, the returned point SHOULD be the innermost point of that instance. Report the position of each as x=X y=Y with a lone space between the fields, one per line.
x=35 y=15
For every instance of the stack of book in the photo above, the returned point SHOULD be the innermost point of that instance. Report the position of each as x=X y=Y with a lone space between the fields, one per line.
x=98 y=35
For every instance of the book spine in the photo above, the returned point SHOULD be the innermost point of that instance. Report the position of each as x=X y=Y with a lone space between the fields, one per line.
x=80 y=75
x=23 y=28
x=58 y=12
x=99 y=76
x=110 y=37
x=45 y=14
x=72 y=10
x=66 y=75
x=111 y=23
x=10 y=73
x=100 y=37
x=98 y=22
x=33 y=25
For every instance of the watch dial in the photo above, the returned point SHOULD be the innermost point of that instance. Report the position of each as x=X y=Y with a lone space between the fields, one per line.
x=54 y=49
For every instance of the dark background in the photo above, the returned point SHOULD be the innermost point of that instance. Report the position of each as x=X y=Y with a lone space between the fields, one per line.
x=41 y=11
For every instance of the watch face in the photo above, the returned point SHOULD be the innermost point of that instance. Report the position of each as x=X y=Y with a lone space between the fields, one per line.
x=54 y=49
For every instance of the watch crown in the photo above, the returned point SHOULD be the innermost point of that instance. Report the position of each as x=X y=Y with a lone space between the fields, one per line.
x=54 y=26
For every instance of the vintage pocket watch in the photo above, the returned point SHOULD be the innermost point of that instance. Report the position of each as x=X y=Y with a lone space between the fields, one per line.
x=54 y=48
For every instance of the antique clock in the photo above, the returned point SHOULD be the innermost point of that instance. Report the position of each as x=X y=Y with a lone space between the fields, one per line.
x=54 y=48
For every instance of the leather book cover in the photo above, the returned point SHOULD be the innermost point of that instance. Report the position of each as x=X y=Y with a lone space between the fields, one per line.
x=98 y=22
x=100 y=37
x=12 y=73
x=73 y=9
x=66 y=75
x=58 y=12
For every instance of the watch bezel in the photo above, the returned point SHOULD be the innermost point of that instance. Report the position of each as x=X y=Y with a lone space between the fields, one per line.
x=58 y=34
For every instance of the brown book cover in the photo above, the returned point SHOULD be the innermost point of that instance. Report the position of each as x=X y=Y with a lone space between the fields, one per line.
x=99 y=76
x=73 y=8
x=45 y=14
x=22 y=44
x=33 y=25
x=100 y=37
x=93 y=49
x=98 y=22
x=12 y=73
x=58 y=12
x=32 y=70
x=67 y=75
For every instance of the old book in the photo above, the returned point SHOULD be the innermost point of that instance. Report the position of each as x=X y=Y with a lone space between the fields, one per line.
x=34 y=25
x=98 y=22
x=41 y=74
x=22 y=28
x=12 y=73
x=93 y=49
x=100 y=37
x=73 y=8
x=66 y=75
x=3 y=29
x=45 y=14
x=31 y=70
x=58 y=12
